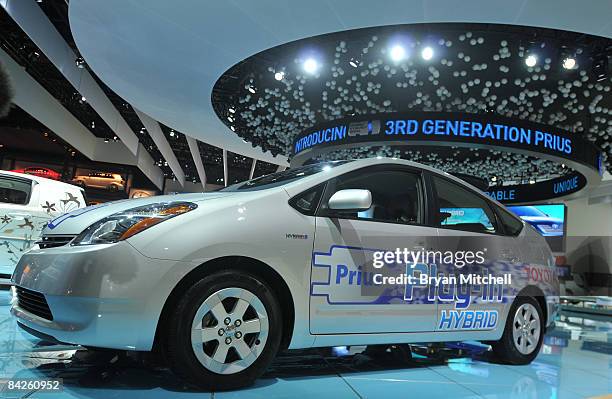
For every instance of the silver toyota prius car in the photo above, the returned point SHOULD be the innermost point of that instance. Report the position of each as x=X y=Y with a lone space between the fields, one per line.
x=365 y=252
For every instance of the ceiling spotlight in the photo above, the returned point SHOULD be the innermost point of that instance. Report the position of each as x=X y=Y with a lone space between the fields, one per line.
x=531 y=60
x=494 y=178
x=232 y=110
x=600 y=67
x=311 y=65
x=397 y=53
x=569 y=63
x=171 y=133
x=80 y=62
x=229 y=118
x=252 y=89
x=531 y=181
x=354 y=62
x=280 y=75
x=427 y=53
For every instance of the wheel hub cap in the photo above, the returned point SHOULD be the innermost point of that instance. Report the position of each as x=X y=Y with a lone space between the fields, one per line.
x=526 y=329
x=229 y=330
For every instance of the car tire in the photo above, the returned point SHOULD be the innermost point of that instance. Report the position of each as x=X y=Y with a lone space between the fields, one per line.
x=200 y=364
x=523 y=333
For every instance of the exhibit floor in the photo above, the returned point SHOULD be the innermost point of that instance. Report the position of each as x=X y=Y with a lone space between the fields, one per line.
x=575 y=362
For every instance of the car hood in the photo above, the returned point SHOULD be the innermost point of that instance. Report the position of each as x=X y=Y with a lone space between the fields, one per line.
x=75 y=222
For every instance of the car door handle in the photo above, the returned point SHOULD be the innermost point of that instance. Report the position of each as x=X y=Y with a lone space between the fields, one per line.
x=509 y=256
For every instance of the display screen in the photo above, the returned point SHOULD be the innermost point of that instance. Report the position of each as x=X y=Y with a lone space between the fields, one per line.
x=467 y=216
x=548 y=220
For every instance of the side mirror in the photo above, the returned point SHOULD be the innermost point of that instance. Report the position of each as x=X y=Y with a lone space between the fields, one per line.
x=352 y=200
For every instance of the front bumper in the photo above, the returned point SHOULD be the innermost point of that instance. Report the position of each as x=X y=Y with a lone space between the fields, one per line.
x=107 y=296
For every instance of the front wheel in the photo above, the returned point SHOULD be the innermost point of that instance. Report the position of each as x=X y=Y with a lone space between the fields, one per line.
x=523 y=334
x=224 y=332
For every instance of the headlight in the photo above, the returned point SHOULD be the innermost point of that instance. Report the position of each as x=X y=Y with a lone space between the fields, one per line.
x=125 y=224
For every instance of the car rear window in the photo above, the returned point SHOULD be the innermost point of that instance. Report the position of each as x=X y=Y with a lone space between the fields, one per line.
x=14 y=190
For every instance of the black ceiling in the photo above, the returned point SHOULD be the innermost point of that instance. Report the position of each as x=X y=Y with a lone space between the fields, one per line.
x=23 y=50
x=475 y=68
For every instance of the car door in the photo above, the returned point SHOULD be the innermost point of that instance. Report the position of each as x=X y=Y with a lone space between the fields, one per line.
x=344 y=296
x=19 y=219
x=468 y=224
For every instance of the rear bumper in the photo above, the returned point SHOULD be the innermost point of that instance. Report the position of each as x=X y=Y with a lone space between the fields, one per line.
x=107 y=296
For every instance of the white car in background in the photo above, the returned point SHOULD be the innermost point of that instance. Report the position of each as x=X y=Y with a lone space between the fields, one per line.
x=220 y=282
x=27 y=203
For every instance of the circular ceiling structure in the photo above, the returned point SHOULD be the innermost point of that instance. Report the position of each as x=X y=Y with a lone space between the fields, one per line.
x=165 y=58
x=543 y=76
x=496 y=166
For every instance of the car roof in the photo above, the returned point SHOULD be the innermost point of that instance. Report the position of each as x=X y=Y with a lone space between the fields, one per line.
x=41 y=180
x=361 y=163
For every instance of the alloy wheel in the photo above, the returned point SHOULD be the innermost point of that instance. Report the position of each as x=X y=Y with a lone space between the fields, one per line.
x=229 y=330
x=526 y=328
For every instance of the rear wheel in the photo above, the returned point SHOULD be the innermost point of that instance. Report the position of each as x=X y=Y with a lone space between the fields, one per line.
x=225 y=331
x=523 y=334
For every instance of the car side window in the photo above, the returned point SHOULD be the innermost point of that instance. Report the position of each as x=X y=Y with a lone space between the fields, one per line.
x=308 y=201
x=15 y=191
x=512 y=225
x=460 y=209
x=396 y=195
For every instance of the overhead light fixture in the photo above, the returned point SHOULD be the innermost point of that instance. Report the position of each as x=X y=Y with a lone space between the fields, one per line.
x=80 y=62
x=311 y=65
x=252 y=89
x=531 y=181
x=397 y=53
x=232 y=110
x=280 y=75
x=600 y=67
x=569 y=63
x=427 y=53
x=531 y=60
x=354 y=62
x=171 y=133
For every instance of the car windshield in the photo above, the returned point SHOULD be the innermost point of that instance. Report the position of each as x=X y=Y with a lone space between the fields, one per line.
x=527 y=211
x=284 y=177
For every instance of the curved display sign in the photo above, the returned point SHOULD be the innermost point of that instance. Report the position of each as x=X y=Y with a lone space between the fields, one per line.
x=541 y=191
x=465 y=130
